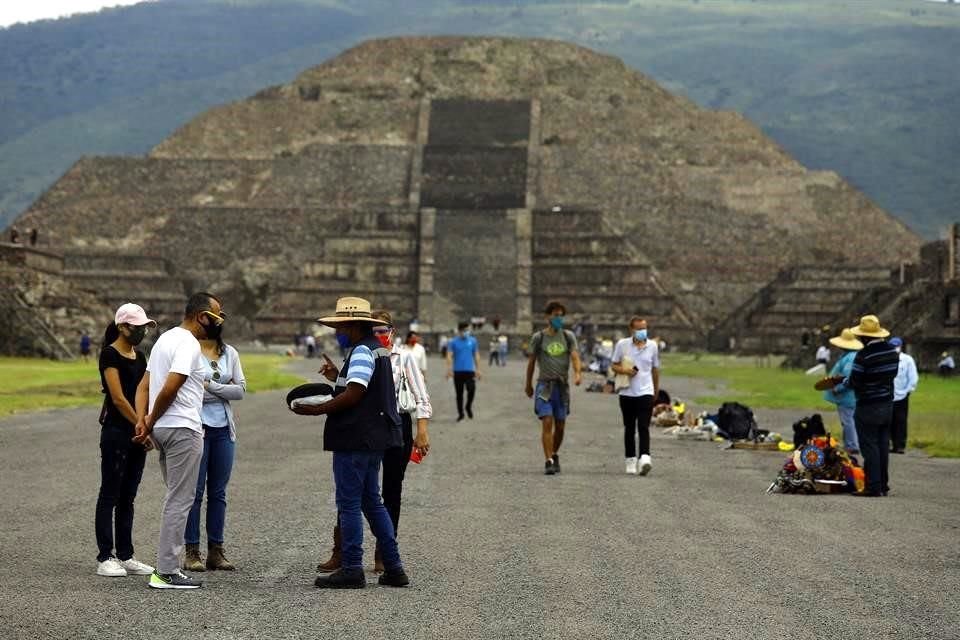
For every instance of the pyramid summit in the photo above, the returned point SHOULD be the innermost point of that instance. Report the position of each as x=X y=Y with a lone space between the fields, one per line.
x=445 y=178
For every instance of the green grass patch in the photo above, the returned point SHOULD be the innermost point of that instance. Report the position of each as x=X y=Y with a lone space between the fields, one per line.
x=934 y=408
x=28 y=384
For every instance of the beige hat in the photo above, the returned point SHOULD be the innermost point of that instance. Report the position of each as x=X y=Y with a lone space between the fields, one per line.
x=350 y=310
x=846 y=340
x=869 y=327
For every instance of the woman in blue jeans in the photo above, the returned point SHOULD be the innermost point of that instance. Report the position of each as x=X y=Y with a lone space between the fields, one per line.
x=841 y=395
x=224 y=383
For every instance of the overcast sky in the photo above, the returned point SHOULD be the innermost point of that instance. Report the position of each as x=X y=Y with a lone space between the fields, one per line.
x=12 y=11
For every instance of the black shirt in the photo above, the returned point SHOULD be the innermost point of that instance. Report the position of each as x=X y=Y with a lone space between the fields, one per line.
x=131 y=371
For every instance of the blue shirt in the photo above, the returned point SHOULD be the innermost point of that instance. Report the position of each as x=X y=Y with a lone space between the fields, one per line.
x=361 y=366
x=907 y=378
x=213 y=413
x=842 y=395
x=463 y=349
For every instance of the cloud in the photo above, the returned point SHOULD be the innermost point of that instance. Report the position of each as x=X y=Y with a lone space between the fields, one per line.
x=13 y=12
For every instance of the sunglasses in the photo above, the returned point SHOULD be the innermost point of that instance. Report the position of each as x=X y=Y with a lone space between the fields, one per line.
x=381 y=331
x=219 y=319
x=216 y=370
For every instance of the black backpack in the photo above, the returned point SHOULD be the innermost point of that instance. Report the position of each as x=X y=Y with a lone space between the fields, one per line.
x=807 y=428
x=736 y=422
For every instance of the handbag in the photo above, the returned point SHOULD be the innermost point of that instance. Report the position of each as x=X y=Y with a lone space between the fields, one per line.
x=406 y=401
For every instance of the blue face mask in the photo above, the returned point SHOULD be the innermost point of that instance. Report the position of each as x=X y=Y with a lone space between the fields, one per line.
x=467 y=333
x=556 y=322
x=343 y=341
x=640 y=335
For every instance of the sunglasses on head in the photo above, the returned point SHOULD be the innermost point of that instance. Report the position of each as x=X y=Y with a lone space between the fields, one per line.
x=219 y=319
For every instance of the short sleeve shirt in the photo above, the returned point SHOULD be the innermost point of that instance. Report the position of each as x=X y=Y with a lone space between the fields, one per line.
x=177 y=351
x=553 y=354
x=361 y=366
x=645 y=358
x=130 y=371
x=463 y=349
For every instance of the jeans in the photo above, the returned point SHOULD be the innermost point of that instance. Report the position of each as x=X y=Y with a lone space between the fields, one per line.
x=121 y=469
x=850 y=440
x=636 y=422
x=215 y=467
x=461 y=380
x=898 y=425
x=180 y=452
x=873 y=430
x=356 y=475
x=395 y=463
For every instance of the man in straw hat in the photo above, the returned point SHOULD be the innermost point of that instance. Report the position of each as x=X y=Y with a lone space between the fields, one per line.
x=841 y=395
x=362 y=422
x=871 y=378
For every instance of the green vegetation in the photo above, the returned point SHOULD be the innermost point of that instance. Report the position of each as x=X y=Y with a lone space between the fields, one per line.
x=934 y=409
x=867 y=89
x=28 y=384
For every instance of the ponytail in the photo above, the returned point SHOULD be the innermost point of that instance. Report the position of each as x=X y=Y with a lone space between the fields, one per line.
x=110 y=335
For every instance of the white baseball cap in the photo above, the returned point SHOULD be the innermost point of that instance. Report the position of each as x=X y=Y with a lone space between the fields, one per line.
x=134 y=314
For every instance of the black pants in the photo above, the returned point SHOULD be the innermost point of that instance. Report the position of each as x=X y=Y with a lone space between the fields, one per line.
x=873 y=431
x=463 y=379
x=898 y=424
x=121 y=468
x=395 y=463
x=636 y=420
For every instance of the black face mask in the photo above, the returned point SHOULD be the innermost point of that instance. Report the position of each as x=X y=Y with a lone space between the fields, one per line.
x=135 y=335
x=213 y=330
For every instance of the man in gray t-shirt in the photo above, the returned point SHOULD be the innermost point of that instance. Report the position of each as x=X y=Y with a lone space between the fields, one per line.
x=552 y=349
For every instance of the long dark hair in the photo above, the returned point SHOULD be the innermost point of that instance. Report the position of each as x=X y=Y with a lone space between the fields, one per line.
x=110 y=335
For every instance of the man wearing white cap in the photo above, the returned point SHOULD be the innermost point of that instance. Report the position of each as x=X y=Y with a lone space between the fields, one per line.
x=903 y=385
x=169 y=400
x=871 y=378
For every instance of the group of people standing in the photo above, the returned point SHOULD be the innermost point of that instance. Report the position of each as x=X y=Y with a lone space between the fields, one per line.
x=873 y=379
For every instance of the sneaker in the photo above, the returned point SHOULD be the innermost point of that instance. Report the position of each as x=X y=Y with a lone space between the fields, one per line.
x=176 y=580
x=342 y=579
x=644 y=465
x=394 y=578
x=134 y=567
x=556 y=463
x=631 y=466
x=111 y=568
x=548 y=468
x=470 y=413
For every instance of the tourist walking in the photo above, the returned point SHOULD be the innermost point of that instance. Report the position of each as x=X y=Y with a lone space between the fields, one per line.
x=122 y=366
x=416 y=349
x=552 y=350
x=362 y=423
x=503 y=346
x=638 y=358
x=169 y=401
x=842 y=395
x=85 y=344
x=874 y=368
x=463 y=365
x=223 y=383
x=903 y=385
x=823 y=355
x=411 y=391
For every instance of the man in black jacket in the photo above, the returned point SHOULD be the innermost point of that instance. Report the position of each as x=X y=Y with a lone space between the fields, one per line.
x=362 y=422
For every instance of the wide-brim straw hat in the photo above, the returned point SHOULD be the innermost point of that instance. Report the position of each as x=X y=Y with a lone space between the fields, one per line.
x=869 y=327
x=847 y=340
x=350 y=310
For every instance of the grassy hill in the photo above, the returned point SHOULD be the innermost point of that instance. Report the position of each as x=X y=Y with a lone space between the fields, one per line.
x=868 y=89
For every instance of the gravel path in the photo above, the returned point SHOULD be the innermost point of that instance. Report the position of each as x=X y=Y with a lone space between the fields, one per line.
x=494 y=548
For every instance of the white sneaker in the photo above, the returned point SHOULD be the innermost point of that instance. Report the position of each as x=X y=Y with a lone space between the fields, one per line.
x=134 y=567
x=631 y=466
x=111 y=568
x=645 y=465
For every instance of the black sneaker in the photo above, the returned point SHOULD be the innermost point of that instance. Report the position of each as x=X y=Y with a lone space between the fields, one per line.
x=556 y=463
x=394 y=578
x=549 y=468
x=459 y=417
x=470 y=413
x=173 y=581
x=342 y=579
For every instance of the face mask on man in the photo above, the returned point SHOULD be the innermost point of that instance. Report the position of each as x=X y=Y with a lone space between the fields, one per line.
x=135 y=335
x=343 y=341
x=640 y=335
x=556 y=322
x=213 y=330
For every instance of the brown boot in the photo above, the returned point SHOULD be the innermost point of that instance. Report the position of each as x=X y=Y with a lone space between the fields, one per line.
x=377 y=561
x=216 y=559
x=333 y=563
x=192 y=560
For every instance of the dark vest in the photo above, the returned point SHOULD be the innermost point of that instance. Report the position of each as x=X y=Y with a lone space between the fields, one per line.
x=374 y=423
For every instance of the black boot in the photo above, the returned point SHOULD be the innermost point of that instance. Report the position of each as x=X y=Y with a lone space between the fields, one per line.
x=394 y=578
x=342 y=579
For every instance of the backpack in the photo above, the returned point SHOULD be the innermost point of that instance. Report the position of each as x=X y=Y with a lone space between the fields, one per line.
x=806 y=428
x=736 y=422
